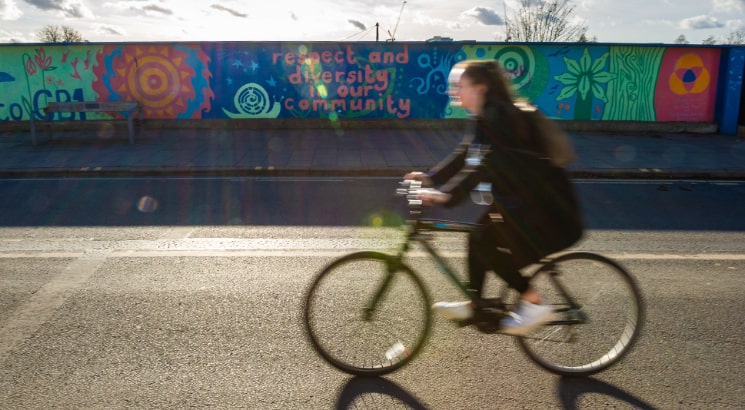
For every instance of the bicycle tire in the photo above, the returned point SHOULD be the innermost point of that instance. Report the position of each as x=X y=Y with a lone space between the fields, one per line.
x=610 y=302
x=335 y=314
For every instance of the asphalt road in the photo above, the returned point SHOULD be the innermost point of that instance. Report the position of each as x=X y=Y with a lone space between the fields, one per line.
x=192 y=298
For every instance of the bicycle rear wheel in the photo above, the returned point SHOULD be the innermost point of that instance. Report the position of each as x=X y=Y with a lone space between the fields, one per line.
x=600 y=314
x=367 y=314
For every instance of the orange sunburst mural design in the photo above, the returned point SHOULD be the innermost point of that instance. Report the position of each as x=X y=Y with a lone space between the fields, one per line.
x=162 y=78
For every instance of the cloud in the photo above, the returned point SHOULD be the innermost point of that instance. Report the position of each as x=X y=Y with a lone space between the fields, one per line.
x=9 y=10
x=157 y=9
x=13 y=37
x=729 y=5
x=108 y=29
x=485 y=16
x=735 y=24
x=533 y=3
x=357 y=24
x=700 y=22
x=151 y=8
x=69 y=8
x=229 y=10
x=294 y=16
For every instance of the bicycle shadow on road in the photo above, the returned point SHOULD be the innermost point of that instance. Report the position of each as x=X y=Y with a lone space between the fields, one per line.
x=375 y=393
x=571 y=389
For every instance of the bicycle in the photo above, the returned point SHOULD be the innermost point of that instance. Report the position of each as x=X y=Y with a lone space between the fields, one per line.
x=368 y=313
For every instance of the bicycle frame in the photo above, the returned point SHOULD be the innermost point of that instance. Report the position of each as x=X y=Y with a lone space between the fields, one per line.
x=419 y=231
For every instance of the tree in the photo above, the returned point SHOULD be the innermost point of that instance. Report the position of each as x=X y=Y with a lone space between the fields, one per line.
x=59 y=34
x=544 y=21
x=583 y=39
x=735 y=37
x=681 y=40
x=709 y=41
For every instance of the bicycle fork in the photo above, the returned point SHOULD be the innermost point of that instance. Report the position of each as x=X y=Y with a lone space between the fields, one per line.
x=391 y=266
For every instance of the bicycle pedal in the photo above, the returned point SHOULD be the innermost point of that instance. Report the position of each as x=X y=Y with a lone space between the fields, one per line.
x=488 y=327
x=482 y=325
x=487 y=320
x=494 y=303
x=465 y=322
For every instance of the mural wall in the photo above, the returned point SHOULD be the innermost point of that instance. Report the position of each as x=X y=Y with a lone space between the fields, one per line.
x=355 y=80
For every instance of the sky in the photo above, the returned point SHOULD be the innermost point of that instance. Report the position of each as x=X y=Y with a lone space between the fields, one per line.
x=608 y=21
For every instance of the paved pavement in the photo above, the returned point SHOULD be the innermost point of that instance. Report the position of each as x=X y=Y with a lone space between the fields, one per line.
x=351 y=152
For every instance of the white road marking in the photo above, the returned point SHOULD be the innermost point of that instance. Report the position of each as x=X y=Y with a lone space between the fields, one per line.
x=26 y=319
x=338 y=251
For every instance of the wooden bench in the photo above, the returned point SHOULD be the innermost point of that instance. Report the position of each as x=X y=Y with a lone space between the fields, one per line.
x=126 y=108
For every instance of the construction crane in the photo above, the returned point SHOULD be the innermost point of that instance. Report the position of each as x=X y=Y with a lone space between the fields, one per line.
x=393 y=35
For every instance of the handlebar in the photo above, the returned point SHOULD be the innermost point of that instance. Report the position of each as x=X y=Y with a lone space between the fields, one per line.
x=411 y=190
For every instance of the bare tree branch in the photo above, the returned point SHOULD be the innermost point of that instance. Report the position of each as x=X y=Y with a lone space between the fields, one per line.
x=545 y=21
x=735 y=37
x=70 y=35
x=59 y=34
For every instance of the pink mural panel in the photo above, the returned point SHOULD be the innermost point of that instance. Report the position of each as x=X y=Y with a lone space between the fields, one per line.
x=687 y=85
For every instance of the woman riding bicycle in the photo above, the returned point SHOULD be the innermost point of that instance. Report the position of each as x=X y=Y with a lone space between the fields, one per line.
x=535 y=212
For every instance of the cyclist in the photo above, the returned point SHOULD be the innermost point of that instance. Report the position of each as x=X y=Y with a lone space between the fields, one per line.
x=535 y=212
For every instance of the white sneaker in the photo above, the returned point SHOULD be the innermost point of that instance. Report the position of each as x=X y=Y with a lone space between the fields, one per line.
x=454 y=310
x=526 y=318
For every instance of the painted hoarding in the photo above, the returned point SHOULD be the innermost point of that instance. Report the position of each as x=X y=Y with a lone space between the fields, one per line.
x=232 y=80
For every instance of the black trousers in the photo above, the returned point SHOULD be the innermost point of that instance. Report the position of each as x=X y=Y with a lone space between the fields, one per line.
x=494 y=247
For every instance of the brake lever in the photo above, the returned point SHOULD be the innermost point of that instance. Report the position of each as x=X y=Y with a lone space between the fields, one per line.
x=411 y=189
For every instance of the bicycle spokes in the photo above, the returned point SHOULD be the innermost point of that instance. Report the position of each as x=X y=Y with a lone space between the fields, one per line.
x=367 y=315
x=600 y=311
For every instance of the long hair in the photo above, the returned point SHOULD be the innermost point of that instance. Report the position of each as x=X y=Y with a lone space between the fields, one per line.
x=499 y=99
x=490 y=73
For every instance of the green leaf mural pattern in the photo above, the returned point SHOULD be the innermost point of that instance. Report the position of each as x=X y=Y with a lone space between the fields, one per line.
x=631 y=96
x=583 y=80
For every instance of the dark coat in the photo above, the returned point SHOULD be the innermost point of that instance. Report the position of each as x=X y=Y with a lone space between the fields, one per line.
x=535 y=202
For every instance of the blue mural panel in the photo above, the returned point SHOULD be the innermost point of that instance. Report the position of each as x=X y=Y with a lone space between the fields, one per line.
x=327 y=80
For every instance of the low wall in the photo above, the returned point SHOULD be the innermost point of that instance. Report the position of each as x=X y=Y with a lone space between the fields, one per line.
x=620 y=127
x=585 y=83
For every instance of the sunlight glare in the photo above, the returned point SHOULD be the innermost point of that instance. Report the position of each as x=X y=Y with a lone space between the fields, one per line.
x=147 y=204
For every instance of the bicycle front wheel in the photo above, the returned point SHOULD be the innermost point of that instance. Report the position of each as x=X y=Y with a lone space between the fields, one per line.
x=600 y=313
x=367 y=314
